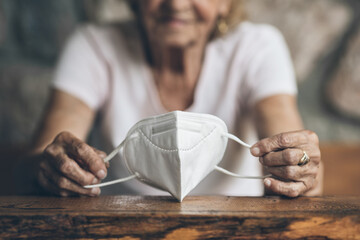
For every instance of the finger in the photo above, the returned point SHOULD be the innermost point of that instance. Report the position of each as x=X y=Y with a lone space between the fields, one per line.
x=47 y=185
x=84 y=154
x=289 y=189
x=69 y=168
x=294 y=173
x=107 y=164
x=100 y=153
x=278 y=142
x=289 y=156
x=65 y=184
x=103 y=155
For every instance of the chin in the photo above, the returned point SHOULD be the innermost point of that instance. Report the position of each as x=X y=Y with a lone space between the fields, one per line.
x=176 y=40
x=174 y=37
x=176 y=43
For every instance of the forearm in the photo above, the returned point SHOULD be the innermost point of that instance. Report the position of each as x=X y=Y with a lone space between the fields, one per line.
x=277 y=114
x=65 y=113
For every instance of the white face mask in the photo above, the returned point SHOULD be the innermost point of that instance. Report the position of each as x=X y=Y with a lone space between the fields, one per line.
x=174 y=151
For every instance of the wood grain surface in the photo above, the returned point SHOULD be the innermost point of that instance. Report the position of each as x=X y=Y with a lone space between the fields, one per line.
x=160 y=217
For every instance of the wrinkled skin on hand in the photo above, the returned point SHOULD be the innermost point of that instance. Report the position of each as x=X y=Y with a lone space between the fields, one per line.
x=68 y=164
x=280 y=156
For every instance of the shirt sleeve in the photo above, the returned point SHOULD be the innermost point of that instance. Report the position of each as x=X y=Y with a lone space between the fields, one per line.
x=81 y=71
x=270 y=69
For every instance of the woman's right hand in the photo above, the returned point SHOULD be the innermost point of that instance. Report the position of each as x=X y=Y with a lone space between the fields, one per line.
x=68 y=164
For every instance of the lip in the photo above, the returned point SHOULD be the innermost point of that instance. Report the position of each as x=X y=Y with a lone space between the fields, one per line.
x=174 y=21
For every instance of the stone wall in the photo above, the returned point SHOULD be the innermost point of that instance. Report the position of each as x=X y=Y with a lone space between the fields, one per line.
x=323 y=36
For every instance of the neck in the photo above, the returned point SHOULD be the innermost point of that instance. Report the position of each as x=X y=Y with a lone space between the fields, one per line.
x=175 y=71
x=177 y=64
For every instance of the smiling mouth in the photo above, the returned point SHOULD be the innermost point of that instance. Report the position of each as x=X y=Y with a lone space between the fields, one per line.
x=173 y=21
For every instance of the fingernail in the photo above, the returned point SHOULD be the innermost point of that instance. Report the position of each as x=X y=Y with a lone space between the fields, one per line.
x=255 y=151
x=95 y=181
x=101 y=174
x=95 y=191
x=102 y=155
x=267 y=182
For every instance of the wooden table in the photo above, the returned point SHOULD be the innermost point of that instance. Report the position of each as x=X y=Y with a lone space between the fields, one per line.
x=145 y=217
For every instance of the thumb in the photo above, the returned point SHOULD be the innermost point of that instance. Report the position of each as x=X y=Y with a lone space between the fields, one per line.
x=102 y=155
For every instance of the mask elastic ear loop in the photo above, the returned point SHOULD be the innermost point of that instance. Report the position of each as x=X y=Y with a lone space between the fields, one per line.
x=236 y=139
x=107 y=159
x=222 y=170
x=114 y=152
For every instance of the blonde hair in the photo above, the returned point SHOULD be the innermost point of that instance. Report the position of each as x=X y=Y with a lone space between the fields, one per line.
x=235 y=16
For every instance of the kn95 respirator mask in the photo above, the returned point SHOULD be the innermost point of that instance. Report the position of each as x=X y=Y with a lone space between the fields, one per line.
x=174 y=151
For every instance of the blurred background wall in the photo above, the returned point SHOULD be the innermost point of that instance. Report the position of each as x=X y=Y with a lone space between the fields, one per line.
x=323 y=37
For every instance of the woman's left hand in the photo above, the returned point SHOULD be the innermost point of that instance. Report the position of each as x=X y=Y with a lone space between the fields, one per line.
x=280 y=155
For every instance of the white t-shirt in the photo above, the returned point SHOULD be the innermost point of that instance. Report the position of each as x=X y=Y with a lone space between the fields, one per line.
x=105 y=67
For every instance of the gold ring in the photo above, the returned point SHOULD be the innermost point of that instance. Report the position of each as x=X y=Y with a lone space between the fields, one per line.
x=304 y=159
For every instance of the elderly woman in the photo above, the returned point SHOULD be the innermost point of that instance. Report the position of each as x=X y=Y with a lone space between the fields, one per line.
x=179 y=55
